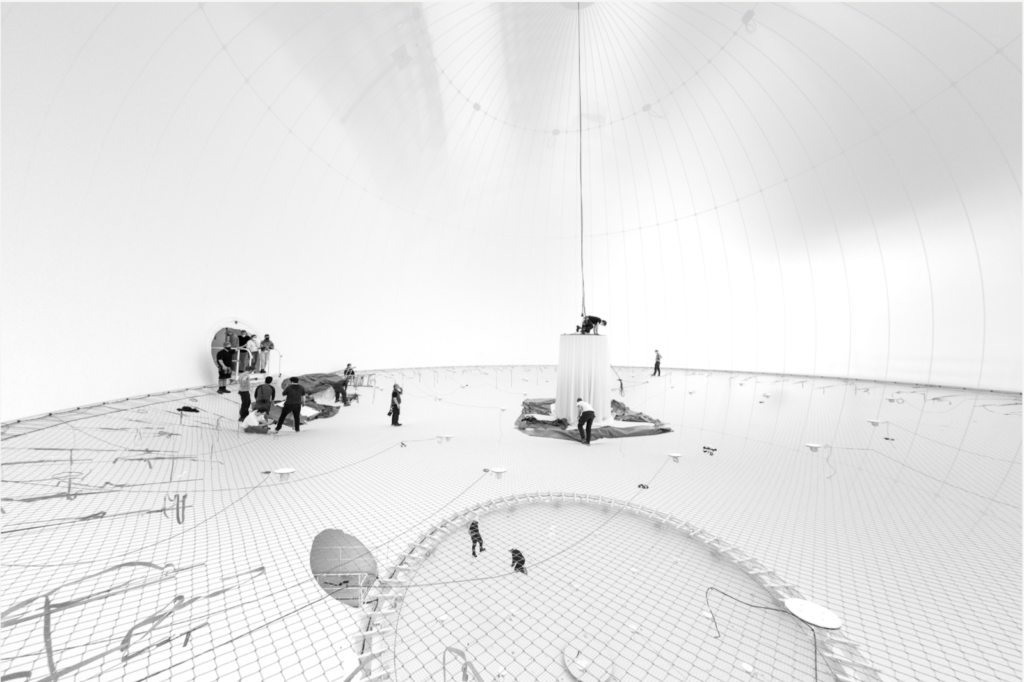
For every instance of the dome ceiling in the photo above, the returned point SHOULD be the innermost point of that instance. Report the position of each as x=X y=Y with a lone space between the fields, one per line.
x=808 y=189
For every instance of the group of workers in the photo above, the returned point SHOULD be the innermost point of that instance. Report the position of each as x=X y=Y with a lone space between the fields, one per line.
x=256 y=357
x=251 y=357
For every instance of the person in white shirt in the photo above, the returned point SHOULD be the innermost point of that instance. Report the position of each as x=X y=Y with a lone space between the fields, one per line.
x=253 y=352
x=586 y=419
x=254 y=419
x=657 y=364
x=254 y=423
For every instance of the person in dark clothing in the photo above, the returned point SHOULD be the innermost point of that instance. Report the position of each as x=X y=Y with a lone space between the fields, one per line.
x=265 y=394
x=341 y=387
x=224 y=359
x=657 y=363
x=339 y=390
x=396 y=405
x=518 y=562
x=294 y=397
x=243 y=353
x=349 y=375
x=590 y=324
x=474 y=535
x=587 y=415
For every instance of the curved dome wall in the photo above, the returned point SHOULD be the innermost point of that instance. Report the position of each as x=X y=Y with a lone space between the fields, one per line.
x=811 y=189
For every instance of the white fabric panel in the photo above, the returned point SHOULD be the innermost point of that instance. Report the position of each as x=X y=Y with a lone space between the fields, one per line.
x=583 y=372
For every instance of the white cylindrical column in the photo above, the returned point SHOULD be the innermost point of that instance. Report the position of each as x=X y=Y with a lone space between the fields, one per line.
x=583 y=372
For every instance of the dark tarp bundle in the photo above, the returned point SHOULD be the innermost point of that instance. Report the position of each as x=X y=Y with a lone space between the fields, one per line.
x=323 y=412
x=314 y=383
x=557 y=428
x=526 y=420
x=538 y=406
x=624 y=414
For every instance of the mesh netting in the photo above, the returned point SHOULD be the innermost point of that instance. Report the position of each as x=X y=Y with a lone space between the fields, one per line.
x=148 y=543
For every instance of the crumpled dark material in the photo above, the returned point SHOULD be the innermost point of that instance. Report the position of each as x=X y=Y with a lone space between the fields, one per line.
x=624 y=414
x=538 y=406
x=314 y=383
x=531 y=421
x=557 y=428
x=324 y=411
x=598 y=432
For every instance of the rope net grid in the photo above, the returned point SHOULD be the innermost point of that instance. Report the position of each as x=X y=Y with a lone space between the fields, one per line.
x=151 y=543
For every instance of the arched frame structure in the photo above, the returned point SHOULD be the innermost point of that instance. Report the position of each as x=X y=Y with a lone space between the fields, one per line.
x=378 y=639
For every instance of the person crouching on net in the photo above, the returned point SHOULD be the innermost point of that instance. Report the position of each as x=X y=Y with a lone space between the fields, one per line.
x=590 y=324
x=518 y=562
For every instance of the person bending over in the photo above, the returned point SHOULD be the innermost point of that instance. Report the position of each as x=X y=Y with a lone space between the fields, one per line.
x=294 y=397
x=518 y=562
x=590 y=324
x=264 y=395
x=339 y=391
x=586 y=411
x=474 y=535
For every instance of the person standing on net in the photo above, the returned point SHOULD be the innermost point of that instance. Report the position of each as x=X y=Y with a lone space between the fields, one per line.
x=474 y=535
x=348 y=375
x=243 y=393
x=266 y=345
x=586 y=419
x=657 y=363
x=396 y=405
x=224 y=359
x=294 y=398
x=243 y=354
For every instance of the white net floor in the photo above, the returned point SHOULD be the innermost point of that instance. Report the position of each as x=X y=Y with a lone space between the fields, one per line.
x=140 y=544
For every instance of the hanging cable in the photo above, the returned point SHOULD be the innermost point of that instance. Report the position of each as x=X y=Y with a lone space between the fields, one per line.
x=579 y=75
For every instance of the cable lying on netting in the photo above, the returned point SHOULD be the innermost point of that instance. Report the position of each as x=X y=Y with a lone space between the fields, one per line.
x=718 y=633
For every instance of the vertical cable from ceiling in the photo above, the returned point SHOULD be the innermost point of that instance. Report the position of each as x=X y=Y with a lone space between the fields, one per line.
x=579 y=75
